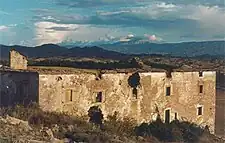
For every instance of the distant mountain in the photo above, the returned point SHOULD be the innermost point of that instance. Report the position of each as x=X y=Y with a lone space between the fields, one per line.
x=122 y=50
x=138 y=45
x=189 y=49
x=51 y=50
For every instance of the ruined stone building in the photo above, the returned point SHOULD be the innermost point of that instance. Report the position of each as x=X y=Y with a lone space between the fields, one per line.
x=184 y=95
x=17 y=61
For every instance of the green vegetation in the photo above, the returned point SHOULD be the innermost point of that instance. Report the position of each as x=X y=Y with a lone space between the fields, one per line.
x=125 y=130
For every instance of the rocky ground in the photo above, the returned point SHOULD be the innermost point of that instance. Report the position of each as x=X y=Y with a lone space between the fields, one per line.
x=14 y=130
x=32 y=125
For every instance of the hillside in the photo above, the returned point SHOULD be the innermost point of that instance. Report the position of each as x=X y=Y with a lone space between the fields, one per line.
x=122 y=50
x=51 y=50
x=187 y=49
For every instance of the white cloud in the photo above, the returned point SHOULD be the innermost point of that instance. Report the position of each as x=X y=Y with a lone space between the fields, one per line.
x=4 y=13
x=50 y=32
x=49 y=18
x=210 y=17
x=3 y=28
x=152 y=37
x=112 y=12
x=44 y=33
x=165 y=5
x=130 y=36
x=126 y=38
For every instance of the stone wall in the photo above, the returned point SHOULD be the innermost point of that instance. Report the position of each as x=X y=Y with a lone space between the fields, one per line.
x=220 y=105
x=17 y=61
x=18 y=88
x=76 y=93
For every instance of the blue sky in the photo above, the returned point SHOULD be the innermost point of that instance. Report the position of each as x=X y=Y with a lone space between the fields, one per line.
x=36 y=22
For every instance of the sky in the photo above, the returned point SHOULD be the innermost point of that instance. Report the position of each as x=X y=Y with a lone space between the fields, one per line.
x=37 y=22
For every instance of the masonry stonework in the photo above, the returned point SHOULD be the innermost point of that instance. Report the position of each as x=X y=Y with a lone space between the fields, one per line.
x=76 y=93
x=17 y=61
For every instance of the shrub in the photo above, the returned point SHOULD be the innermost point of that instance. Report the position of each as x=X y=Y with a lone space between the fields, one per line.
x=120 y=127
x=175 y=131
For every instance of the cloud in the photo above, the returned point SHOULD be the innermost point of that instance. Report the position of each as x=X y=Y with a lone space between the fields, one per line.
x=49 y=32
x=4 y=13
x=49 y=18
x=165 y=5
x=168 y=19
x=96 y=3
x=63 y=28
x=90 y=20
x=3 y=28
x=211 y=17
x=127 y=38
x=113 y=12
x=152 y=37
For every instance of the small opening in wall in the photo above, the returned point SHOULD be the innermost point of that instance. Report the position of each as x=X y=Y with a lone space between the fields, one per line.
x=59 y=78
x=167 y=116
x=175 y=116
x=71 y=95
x=201 y=89
x=168 y=92
x=200 y=74
x=134 y=91
x=99 y=97
x=199 y=110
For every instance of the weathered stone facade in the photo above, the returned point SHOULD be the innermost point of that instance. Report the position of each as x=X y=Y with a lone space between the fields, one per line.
x=185 y=95
x=17 y=61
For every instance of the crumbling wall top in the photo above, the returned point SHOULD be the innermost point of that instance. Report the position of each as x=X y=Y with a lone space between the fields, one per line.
x=17 y=60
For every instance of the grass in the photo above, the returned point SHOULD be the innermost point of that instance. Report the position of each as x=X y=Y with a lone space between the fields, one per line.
x=78 y=129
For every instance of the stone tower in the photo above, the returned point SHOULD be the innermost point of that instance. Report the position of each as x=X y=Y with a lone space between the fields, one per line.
x=17 y=61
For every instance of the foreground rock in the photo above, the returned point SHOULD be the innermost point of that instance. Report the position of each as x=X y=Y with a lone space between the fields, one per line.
x=16 y=130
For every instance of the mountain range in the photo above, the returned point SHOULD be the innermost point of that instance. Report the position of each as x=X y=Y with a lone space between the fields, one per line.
x=121 y=50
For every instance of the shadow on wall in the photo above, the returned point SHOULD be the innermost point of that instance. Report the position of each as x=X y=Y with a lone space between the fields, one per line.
x=18 y=88
x=96 y=116
x=220 y=105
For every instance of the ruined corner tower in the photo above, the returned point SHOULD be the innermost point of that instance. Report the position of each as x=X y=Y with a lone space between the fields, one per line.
x=17 y=60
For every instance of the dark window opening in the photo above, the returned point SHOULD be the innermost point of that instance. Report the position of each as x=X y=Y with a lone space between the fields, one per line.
x=200 y=74
x=59 y=78
x=134 y=92
x=71 y=95
x=175 y=116
x=168 y=91
x=201 y=89
x=167 y=116
x=199 y=110
x=99 y=97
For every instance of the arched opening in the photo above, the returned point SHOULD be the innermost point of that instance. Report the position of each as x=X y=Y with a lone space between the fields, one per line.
x=95 y=115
